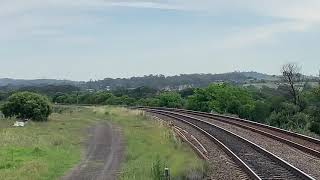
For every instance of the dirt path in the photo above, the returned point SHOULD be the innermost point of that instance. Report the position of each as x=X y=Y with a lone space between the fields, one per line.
x=103 y=155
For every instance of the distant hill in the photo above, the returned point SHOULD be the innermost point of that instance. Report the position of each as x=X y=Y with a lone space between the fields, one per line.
x=178 y=82
x=260 y=76
x=153 y=81
x=35 y=82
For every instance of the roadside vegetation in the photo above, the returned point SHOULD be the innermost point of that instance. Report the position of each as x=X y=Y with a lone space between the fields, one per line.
x=151 y=147
x=43 y=150
x=47 y=150
x=293 y=105
x=39 y=150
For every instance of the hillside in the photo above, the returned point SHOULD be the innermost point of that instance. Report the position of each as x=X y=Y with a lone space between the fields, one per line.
x=179 y=81
x=154 y=81
x=260 y=76
x=34 y=82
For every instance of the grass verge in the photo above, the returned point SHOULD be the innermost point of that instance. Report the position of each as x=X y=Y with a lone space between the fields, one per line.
x=46 y=150
x=151 y=146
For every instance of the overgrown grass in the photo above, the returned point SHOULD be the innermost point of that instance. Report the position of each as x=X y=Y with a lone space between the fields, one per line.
x=43 y=150
x=46 y=150
x=149 y=141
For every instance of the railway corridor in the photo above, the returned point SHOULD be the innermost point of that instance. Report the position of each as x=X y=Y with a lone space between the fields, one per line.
x=253 y=151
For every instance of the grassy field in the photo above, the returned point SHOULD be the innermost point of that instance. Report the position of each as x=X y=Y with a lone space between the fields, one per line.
x=47 y=150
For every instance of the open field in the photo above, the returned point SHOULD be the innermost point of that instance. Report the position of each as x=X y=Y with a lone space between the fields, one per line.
x=48 y=150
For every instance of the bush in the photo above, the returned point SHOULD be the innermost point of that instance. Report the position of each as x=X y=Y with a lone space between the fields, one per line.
x=315 y=127
x=27 y=105
x=288 y=117
x=170 y=100
x=260 y=112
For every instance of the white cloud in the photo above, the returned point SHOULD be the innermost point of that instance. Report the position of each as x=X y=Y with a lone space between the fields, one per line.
x=41 y=17
x=146 y=4
x=267 y=33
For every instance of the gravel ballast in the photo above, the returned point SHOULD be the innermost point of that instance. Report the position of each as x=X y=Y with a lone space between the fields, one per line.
x=303 y=161
x=221 y=166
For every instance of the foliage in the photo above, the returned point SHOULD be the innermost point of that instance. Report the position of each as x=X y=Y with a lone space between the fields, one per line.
x=170 y=100
x=315 y=127
x=153 y=102
x=27 y=105
x=261 y=111
x=272 y=106
x=3 y=95
x=288 y=117
x=222 y=98
x=50 y=90
x=174 y=82
x=186 y=92
x=199 y=101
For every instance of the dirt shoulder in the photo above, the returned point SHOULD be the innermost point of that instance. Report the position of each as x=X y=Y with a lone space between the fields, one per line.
x=104 y=154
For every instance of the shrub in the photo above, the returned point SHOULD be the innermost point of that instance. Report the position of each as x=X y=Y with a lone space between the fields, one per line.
x=288 y=117
x=27 y=105
x=315 y=127
x=170 y=100
x=260 y=112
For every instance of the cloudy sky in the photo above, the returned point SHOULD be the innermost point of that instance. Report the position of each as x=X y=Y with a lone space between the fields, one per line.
x=94 y=39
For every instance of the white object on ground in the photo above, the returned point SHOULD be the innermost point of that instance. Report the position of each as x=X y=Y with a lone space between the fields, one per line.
x=19 y=124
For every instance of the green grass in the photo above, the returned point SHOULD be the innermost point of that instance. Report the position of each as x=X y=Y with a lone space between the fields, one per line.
x=43 y=150
x=47 y=150
x=147 y=141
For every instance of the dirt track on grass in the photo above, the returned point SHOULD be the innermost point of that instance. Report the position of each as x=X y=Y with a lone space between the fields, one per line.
x=103 y=155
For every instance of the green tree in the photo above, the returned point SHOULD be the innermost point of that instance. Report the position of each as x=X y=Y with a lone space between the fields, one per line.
x=170 y=100
x=222 y=98
x=114 y=100
x=152 y=102
x=3 y=95
x=287 y=117
x=27 y=105
x=313 y=109
x=199 y=101
x=260 y=112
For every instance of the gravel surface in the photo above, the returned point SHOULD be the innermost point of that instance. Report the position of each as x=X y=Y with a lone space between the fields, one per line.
x=303 y=161
x=298 y=140
x=221 y=166
x=103 y=155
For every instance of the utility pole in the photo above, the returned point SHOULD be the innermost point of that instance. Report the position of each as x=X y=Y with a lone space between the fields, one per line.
x=319 y=78
x=77 y=97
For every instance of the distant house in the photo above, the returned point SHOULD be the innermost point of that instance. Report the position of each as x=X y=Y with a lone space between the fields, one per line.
x=90 y=90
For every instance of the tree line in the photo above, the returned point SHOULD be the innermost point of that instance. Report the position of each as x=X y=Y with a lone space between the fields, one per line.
x=288 y=106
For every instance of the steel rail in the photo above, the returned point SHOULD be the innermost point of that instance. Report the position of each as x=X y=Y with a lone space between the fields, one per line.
x=267 y=166
x=237 y=160
x=256 y=127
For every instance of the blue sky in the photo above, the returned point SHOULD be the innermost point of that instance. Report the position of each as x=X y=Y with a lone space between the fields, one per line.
x=94 y=39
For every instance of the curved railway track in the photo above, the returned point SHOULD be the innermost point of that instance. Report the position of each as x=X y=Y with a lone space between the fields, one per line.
x=254 y=160
x=304 y=143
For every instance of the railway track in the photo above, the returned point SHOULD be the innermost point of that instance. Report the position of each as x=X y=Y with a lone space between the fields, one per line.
x=304 y=143
x=254 y=160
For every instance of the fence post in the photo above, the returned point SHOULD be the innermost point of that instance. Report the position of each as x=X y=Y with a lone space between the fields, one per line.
x=166 y=174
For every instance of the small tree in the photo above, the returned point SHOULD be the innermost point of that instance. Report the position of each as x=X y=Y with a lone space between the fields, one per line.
x=291 y=74
x=27 y=105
